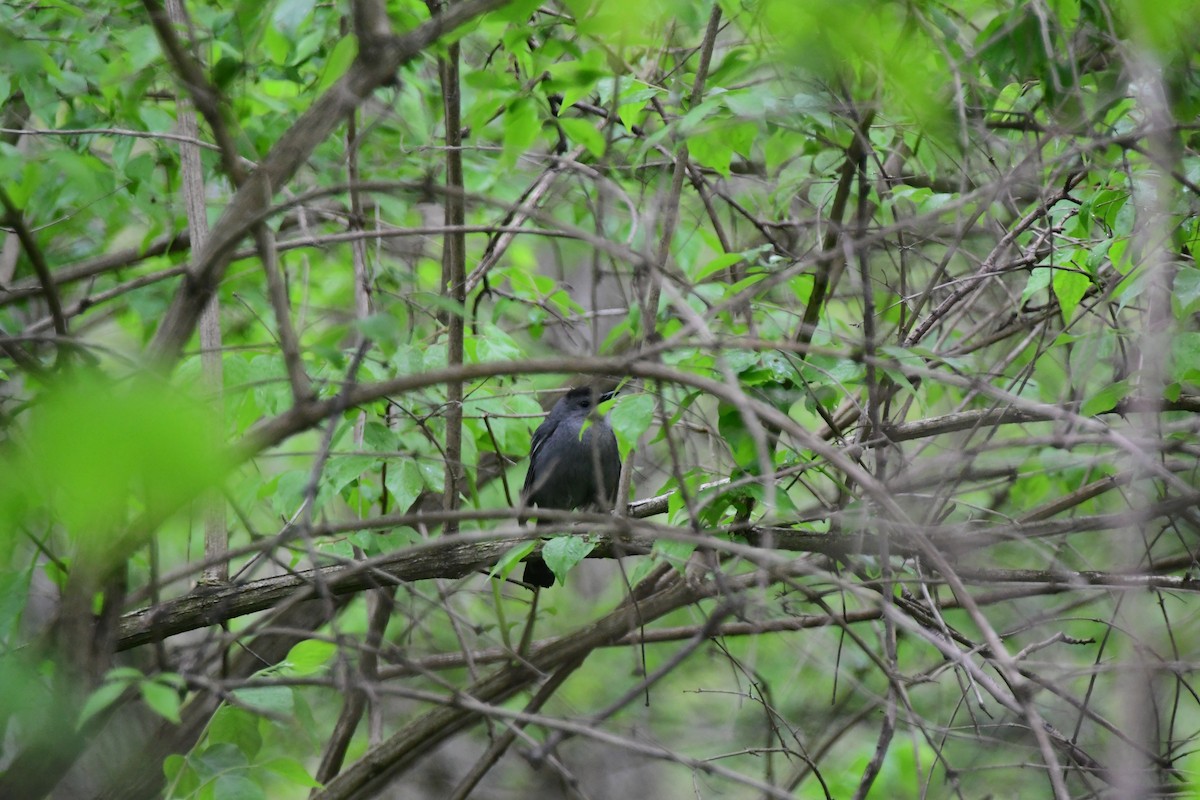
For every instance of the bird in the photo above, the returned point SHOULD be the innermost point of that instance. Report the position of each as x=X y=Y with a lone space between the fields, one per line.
x=568 y=471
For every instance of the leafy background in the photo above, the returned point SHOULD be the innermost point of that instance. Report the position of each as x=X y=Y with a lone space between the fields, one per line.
x=900 y=297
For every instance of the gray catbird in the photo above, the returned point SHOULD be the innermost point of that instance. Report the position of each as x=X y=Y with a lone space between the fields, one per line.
x=567 y=471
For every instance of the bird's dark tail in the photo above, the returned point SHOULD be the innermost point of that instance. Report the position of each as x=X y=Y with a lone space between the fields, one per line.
x=537 y=573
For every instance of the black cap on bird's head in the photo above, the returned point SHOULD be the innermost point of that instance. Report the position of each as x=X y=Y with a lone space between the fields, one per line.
x=583 y=397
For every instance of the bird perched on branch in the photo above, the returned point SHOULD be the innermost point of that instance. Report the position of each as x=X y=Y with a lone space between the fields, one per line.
x=573 y=464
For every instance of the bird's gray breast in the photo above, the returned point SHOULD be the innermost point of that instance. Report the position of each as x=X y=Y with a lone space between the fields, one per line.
x=567 y=472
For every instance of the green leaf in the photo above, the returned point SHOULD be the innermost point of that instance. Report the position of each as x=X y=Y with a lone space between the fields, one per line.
x=276 y=45
x=1119 y=256
x=14 y=590
x=289 y=14
x=576 y=80
x=711 y=149
x=100 y=700
x=127 y=674
x=293 y=771
x=378 y=436
x=676 y=553
x=521 y=129
x=237 y=786
x=630 y=418
x=98 y=452
x=509 y=560
x=631 y=113
x=218 y=758
x=517 y=12
x=162 y=699
x=237 y=727
x=277 y=700
x=621 y=23
x=562 y=553
x=741 y=137
x=434 y=474
x=381 y=328
x=1039 y=279
x=341 y=470
x=738 y=438
x=404 y=481
x=495 y=344
x=172 y=765
x=289 y=492
x=721 y=262
x=584 y=133
x=310 y=656
x=1105 y=400
x=641 y=568
x=339 y=550
x=338 y=62
x=1069 y=287
x=1186 y=291
x=1185 y=357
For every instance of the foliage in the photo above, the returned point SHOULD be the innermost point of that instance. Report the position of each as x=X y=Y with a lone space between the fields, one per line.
x=901 y=300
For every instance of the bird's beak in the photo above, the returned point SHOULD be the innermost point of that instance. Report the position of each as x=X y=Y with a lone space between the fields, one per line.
x=604 y=398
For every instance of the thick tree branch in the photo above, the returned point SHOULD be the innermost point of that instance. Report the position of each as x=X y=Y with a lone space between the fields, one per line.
x=455 y=557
